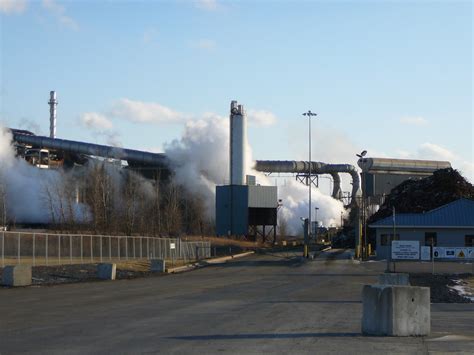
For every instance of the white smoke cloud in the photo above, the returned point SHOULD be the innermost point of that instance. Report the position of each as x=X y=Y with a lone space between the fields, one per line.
x=12 y=6
x=25 y=187
x=201 y=159
x=294 y=197
x=201 y=156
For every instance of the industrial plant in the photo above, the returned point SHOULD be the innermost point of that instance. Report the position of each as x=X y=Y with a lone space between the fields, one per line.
x=244 y=207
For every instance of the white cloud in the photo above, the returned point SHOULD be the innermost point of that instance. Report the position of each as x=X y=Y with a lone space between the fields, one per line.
x=431 y=151
x=149 y=35
x=261 y=117
x=145 y=112
x=203 y=43
x=95 y=121
x=12 y=6
x=59 y=11
x=209 y=5
x=414 y=120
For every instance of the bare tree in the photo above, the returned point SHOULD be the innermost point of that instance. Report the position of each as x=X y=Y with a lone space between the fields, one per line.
x=171 y=210
x=99 y=195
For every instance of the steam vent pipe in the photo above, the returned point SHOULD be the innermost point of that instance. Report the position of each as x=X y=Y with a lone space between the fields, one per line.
x=302 y=167
x=238 y=139
x=91 y=149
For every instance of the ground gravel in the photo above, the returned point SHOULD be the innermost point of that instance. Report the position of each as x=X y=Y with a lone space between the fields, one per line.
x=439 y=285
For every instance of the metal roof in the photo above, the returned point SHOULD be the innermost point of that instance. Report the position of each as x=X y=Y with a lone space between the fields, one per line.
x=459 y=213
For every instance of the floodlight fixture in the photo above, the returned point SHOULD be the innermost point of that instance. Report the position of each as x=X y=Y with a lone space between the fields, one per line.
x=363 y=154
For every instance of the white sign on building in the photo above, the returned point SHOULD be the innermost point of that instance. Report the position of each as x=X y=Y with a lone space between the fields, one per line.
x=405 y=249
x=450 y=253
x=425 y=253
x=453 y=253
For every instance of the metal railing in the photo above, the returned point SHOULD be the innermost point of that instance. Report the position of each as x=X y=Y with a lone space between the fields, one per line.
x=56 y=249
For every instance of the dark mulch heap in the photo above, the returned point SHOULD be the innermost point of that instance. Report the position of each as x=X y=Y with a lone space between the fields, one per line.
x=417 y=196
x=440 y=292
x=61 y=274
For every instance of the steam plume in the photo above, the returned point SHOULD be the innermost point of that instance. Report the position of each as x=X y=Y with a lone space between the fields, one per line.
x=201 y=161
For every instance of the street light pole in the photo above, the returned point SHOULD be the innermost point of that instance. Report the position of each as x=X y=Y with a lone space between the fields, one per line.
x=309 y=114
x=362 y=206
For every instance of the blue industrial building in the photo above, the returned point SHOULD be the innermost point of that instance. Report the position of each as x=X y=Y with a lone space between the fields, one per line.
x=451 y=225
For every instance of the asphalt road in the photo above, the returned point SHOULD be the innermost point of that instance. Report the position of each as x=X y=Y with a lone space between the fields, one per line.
x=259 y=304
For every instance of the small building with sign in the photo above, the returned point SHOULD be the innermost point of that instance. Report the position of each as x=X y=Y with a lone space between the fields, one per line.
x=448 y=227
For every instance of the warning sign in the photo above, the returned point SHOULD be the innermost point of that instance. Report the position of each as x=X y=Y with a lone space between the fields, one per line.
x=405 y=250
x=462 y=253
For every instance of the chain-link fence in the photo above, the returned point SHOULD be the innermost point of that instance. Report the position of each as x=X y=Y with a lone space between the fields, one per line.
x=57 y=249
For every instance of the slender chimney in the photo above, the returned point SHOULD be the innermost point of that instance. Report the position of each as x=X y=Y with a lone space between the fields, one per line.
x=53 y=102
x=238 y=139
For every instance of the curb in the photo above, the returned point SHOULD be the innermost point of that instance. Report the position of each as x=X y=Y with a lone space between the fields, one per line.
x=204 y=263
x=227 y=258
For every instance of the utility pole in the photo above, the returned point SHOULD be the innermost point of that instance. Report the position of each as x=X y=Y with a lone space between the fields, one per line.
x=306 y=246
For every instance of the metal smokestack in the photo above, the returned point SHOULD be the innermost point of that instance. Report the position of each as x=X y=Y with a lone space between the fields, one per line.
x=53 y=102
x=238 y=139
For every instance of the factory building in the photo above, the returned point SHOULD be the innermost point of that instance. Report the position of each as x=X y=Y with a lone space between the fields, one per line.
x=451 y=225
x=381 y=175
x=243 y=207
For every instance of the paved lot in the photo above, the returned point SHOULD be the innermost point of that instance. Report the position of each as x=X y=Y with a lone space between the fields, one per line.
x=260 y=304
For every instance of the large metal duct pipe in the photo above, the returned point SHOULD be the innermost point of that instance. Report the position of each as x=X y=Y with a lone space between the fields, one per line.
x=53 y=102
x=302 y=167
x=155 y=159
x=336 y=190
x=238 y=139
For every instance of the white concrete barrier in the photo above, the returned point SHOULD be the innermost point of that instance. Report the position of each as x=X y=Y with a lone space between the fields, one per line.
x=106 y=271
x=18 y=275
x=396 y=310
x=394 y=279
x=157 y=265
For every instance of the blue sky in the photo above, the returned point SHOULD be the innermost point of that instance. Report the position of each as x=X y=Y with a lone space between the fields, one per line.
x=392 y=77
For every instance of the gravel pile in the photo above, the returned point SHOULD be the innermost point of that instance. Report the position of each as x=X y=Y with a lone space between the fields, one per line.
x=439 y=285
